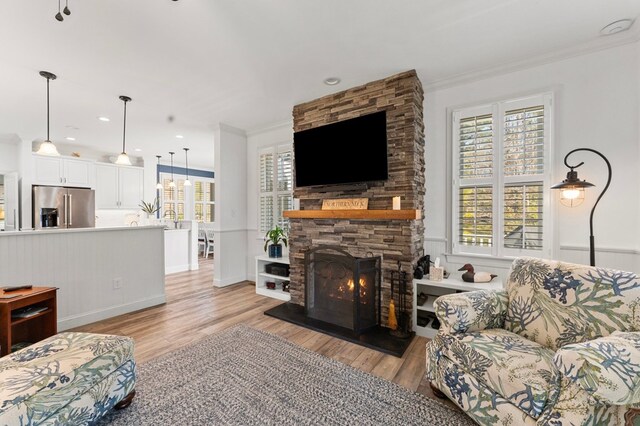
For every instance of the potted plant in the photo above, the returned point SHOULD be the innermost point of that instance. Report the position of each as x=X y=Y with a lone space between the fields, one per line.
x=150 y=208
x=273 y=239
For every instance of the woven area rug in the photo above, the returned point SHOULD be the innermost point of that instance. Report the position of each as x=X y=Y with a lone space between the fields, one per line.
x=243 y=376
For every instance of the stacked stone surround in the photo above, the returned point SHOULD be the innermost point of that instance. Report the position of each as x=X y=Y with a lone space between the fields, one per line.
x=401 y=96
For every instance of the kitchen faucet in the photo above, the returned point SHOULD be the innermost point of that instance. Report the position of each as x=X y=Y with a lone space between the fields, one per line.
x=175 y=217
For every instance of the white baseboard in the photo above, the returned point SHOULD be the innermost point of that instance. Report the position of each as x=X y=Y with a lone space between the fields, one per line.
x=98 y=315
x=177 y=268
x=229 y=281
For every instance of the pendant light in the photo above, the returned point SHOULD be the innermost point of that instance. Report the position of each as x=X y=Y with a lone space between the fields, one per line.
x=123 y=158
x=47 y=147
x=59 y=16
x=66 y=10
x=172 y=184
x=186 y=160
x=159 y=185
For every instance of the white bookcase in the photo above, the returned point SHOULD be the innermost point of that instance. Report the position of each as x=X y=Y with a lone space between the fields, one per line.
x=262 y=277
x=434 y=289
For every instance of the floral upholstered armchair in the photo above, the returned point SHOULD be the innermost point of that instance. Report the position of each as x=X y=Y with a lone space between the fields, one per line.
x=560 y=346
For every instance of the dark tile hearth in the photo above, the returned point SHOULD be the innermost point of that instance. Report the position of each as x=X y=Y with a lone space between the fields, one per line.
x=378 y=338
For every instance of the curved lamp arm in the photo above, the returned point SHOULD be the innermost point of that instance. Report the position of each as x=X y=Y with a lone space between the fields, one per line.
x=592 y=256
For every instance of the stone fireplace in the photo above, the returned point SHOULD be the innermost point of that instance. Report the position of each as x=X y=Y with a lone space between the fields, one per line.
x=394 y=241
x=341 y=289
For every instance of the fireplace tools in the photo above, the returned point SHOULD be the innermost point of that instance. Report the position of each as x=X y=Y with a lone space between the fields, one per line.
x=399 y=282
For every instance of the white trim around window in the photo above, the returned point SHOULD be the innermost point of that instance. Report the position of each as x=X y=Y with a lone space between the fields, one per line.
x=501 y=157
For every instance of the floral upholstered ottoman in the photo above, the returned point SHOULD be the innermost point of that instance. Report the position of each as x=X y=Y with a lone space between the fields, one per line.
x=67 y=379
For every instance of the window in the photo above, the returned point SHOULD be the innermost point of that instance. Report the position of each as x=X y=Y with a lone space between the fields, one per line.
x=187 y=203
x=500 y=184
x=276 y=187
x=203 y=193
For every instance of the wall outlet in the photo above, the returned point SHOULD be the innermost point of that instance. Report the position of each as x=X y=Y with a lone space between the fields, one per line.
x=117 y=283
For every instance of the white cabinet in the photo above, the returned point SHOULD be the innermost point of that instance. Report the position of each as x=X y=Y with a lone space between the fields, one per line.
x=423 y=315
x=262 y=277
x=63 y=171
x=119 y=187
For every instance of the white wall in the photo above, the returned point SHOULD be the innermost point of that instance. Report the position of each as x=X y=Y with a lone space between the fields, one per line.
x=9 y=153
x=596 y=106
x=230 y=226
x=280 y=134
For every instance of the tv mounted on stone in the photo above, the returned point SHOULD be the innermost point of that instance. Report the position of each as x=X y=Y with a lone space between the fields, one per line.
x=351 y=151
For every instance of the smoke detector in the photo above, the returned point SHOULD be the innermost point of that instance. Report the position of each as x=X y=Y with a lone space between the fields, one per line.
x=332 y=81
x=616 y=27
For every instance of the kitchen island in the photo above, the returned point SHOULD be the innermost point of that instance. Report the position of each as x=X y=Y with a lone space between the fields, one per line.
x=100 y=272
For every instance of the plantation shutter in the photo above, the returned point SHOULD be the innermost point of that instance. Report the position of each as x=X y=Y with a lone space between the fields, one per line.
x=265 y=204
x=523 y=216
x=276 y=187
x=523 y=169
x=476 y=216
x=500 y=196
x=476 y=147
x=285 y=186
x=524 y=141
x=475 y=170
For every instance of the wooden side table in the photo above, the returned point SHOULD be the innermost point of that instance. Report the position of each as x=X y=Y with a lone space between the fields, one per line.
x=32 y=328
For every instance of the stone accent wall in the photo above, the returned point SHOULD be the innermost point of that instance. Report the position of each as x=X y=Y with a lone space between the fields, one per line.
x=396 y=241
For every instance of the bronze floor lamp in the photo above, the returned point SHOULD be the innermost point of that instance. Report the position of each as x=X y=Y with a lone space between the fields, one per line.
x=573 y=193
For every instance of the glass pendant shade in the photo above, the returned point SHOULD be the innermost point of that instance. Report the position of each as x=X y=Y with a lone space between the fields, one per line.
x=158 y=185
x=172 y=184
x=572 y=197
x=123 y=159
x=187 y=182
x=47 y=147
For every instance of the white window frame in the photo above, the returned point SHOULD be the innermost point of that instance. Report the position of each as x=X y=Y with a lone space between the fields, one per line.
x=189 y=196
x=498 y=180
x=277 y=219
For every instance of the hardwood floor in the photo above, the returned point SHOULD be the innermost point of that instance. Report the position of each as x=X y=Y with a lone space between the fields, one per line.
x=195 y=309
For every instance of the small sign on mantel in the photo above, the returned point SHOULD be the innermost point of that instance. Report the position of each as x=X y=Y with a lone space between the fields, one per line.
x=346 y=204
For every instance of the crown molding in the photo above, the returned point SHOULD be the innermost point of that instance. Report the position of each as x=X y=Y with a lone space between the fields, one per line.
x=273 y=126
x=231 y=129
x=597 y=45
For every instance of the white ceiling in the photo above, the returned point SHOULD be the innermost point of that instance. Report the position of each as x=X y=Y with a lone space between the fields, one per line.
x=246 y=63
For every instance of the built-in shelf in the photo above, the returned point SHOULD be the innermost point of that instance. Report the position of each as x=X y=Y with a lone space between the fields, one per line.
x=262 y=277
x=355 y=214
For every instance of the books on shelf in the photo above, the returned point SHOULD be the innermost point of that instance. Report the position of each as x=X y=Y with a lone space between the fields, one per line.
x=28 y=311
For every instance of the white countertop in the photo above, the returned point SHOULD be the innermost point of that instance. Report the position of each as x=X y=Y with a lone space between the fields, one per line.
x=60 y=231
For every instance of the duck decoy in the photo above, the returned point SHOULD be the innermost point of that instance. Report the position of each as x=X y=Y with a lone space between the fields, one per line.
x=475 y=277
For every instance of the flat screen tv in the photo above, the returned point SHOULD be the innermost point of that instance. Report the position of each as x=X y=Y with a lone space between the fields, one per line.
x=349 y=151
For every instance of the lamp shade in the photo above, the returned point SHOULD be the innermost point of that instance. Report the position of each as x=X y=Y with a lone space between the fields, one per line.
x=48 y=148
x=123 y=159
x=572 y=189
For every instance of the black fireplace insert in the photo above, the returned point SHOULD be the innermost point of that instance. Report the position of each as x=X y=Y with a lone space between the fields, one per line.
x=341 y=289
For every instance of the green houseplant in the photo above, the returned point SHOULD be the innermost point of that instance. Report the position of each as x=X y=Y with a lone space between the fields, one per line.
x=273 y=239
x=150 y=208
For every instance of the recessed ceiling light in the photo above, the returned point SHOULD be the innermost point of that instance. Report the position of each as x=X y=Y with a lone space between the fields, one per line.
x=72 y=128
x=179 y=136
x=69 y=138
x=137 y=150
x=104 y=119
x=616 y=27
x=331 y=81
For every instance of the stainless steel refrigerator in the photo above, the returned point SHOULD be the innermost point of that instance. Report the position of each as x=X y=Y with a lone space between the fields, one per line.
x=59 y=207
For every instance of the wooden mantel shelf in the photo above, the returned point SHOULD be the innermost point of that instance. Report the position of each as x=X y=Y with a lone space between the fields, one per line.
x=355 y=214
